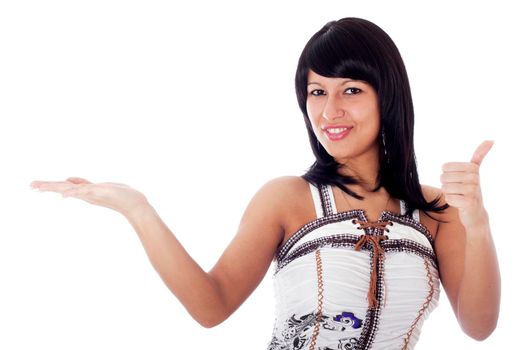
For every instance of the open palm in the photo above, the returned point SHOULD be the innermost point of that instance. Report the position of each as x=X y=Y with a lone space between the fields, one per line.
x=116 y=196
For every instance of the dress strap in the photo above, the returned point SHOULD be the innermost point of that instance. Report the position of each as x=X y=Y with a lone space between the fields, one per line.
x=323 y=200
x=330 y=202
x=416 y=214
x=317 y=201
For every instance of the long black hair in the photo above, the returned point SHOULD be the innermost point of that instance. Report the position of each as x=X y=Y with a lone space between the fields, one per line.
x=358 y=49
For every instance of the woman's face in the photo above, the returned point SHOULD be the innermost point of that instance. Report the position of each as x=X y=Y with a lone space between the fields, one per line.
x=344 y=115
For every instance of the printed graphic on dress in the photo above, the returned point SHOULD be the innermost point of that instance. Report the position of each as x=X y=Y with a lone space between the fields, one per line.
x=296 y=332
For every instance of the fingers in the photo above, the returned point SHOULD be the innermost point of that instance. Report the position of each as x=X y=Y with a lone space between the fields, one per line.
x=54 y=186
x=458 y=200
x=77 y=180
x=77 y=191
x=466 y=189
x=459 y=177
x=460 y=167
x=58 y=186
x=461 y=184
x=35 y=184
x=119 y=197
x=481 y=152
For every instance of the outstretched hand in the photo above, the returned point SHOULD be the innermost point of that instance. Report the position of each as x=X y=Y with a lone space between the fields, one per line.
x=116 y=196
x=461 y=186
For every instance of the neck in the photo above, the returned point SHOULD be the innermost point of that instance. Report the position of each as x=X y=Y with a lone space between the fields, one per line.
x=365 y=168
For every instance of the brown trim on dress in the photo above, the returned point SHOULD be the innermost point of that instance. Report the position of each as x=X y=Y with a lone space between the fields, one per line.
x=320 y=300
x=425 y=306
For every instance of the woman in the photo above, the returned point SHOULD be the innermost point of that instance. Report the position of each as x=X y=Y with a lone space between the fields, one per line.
x=360 y=246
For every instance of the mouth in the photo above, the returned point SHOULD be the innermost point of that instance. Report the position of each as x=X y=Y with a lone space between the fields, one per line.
x=335 y=133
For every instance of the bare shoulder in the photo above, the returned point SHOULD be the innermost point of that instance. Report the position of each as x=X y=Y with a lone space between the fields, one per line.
x=289 y=200
x=276 y=193
x=261 y=230
x=284 y=189
x=288 y=182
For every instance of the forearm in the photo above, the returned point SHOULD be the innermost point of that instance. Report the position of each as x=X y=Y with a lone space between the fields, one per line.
x=194 y=288
x=479 y=292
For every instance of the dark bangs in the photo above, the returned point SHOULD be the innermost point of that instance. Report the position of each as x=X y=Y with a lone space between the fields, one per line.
x=358 y=49
x=338 y=55
x=341 y=52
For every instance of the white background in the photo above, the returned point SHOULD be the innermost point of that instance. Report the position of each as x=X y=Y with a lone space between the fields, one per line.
x=193 y=103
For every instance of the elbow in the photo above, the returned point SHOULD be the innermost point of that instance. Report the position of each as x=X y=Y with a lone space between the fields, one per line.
x=479 y=322
x=210 y=320
x=480 y=336
x=482 y=331
x=208 y=323
x=211 y=311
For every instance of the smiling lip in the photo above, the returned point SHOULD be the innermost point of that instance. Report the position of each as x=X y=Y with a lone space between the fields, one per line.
x=336 y=132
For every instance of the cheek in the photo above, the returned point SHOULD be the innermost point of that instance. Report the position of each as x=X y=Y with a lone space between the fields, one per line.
x=309 y=109
x=313 y=125
x=313 y=111
x=370 y=117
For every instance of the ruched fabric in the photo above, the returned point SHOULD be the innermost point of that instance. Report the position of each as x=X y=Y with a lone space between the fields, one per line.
x=342 y=282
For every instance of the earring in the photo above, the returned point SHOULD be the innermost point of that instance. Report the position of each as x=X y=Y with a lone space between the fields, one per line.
x=384 y=140
x=383 y=136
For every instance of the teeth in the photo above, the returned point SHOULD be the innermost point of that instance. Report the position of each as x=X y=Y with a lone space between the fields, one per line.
x=336 y=130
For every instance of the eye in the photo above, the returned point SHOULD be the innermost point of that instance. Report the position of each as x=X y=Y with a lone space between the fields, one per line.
x=352 y=91
x=317 y=92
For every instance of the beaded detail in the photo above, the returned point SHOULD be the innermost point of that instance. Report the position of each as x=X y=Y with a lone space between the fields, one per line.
x=410 y=222
x=329 y=309
x=358 y=214
x=350 y=241
x=320 y=300
x=372 y=319
x=326 y=200
x=423 y=310
x=315 y=224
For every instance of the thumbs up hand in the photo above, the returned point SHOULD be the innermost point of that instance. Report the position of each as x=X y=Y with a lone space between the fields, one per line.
x=461 y=187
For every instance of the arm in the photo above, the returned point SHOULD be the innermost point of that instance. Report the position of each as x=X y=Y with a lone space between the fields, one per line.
x=465 y=249
x=210 y=297
x=469 y=272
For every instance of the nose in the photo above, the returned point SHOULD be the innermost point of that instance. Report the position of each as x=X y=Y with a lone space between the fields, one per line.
x=333 y=108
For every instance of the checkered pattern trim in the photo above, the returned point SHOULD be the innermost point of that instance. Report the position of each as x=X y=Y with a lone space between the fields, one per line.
x=315 y=224
x=348 y=215
x=325 y=199
x=350 y=240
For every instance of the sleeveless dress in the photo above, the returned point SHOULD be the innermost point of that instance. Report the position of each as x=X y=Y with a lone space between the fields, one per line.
x=342 y=282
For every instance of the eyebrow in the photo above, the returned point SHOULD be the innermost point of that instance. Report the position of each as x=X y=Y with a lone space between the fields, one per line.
x=343 y=82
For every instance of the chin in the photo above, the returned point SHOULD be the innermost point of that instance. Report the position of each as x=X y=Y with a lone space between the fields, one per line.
x=340 y=158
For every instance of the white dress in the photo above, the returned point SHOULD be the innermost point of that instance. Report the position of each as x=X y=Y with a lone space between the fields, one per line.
x=342 y=282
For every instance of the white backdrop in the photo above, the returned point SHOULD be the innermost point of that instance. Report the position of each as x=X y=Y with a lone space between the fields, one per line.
x=193 y=103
